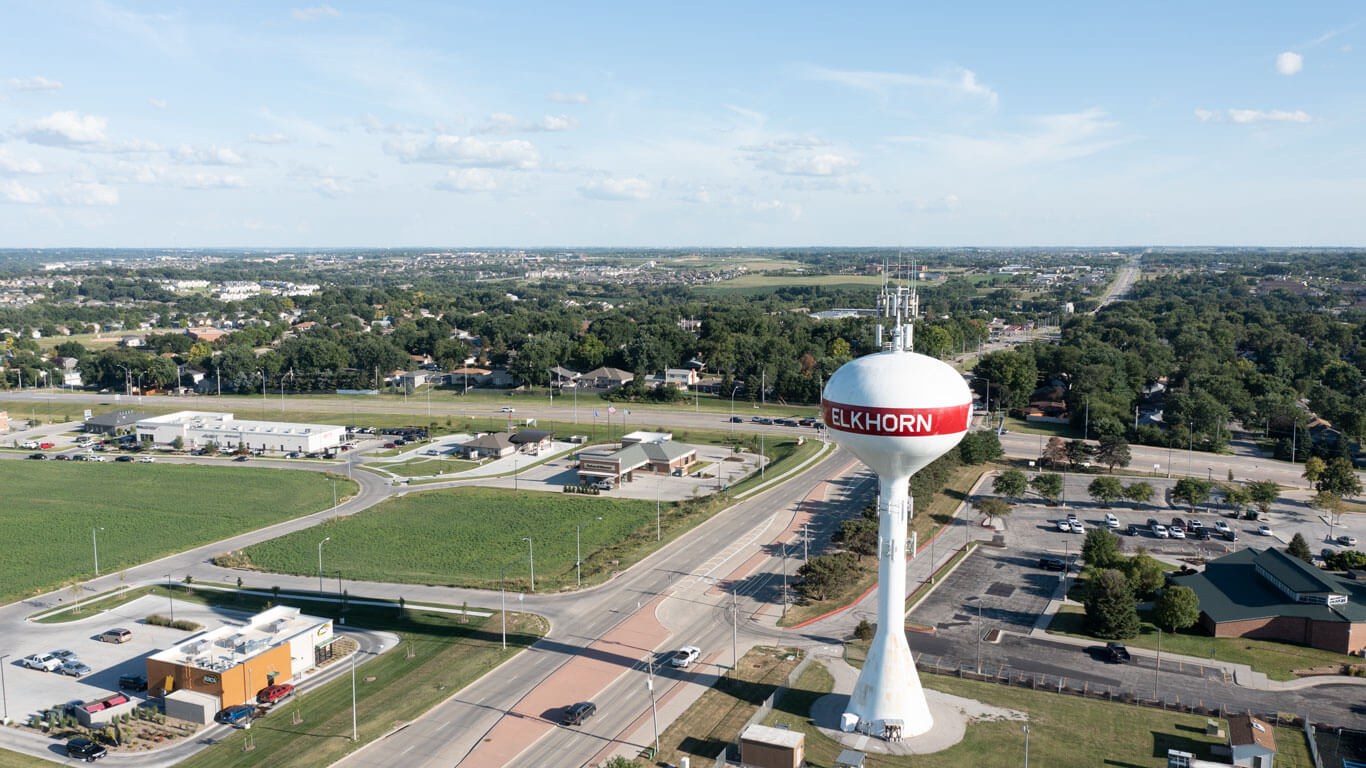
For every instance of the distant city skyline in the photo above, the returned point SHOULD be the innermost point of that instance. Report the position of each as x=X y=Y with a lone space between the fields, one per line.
x=335 y=124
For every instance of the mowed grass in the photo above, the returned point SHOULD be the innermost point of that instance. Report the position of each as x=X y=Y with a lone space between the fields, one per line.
x=464 y=537
x=1064 y=730
x=1276 y=660
x=147 y=511
x=767 y=283
x=10 y=759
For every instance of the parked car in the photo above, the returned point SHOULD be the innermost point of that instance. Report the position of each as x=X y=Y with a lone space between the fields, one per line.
x=1052 y=564
x=124 y=457
x=1347 y=541
x=29 y=444
x=1177 y=533
x=1111 y=521
x=1204 y=534
x=238 y=713
x=274 y=693
x=1118 y=653
x=1133 y=530
x=431 y=452
x=577 y=713
x=391 y=445
x=1194 y=524
x=64 y=654
x=62 y=457
x=507 y=409
x=75 y=668
x=737 y=420
x=1076 y=526
x=1071 y=516
x=808 y=422
x=1177 y=523
x=685 y=656
x=133 y=682
x=43 y=661
x=1065 y=526
x=243 y=457
x=85 y=749
x=46 y=446
x=1221 y=526
x=1230 y=535
x=83 y=457
x=37 y=456
x=602 y=485
x=116 y=635
x=1160 y=531
x=1264 y=530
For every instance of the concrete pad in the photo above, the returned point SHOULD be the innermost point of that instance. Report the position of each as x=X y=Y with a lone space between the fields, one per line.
x=951 y=716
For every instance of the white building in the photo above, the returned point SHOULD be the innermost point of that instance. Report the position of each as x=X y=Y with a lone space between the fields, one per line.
x=200 y=428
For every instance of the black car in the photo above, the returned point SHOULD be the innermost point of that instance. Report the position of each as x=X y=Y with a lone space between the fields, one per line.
x=133 y=682
x=124 y=457
x=577 y=713
x=736 y=420
x=243 y=457
x=1052 y=564
x=1204 y=534
x=1133 y=529
x=1117 y=653
x=85 y=749
x=37 y=456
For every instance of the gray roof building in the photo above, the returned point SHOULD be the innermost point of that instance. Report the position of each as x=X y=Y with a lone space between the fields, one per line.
x=114 y=421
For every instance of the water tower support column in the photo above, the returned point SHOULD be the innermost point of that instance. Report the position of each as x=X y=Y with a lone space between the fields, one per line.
x=888 y=691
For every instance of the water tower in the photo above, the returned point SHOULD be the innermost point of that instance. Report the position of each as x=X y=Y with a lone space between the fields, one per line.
x=897 y=411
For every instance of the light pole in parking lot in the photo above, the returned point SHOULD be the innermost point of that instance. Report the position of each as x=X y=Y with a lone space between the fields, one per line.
x=95 y=543
x=1026 y=732
x=978 y=600
x=531 y=558
x=169 y=598
x=578 y=553
x=733 y=390
x=320 y=563
x=4 y=694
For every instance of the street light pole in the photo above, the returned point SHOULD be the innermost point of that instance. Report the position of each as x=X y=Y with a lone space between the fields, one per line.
x=733 y=390
x=94 y=542
x=170 y=598
x=531 y=558
x=658 y=530
x=4 y=694
x=1026 y=730
x=320 y=563
x=578 y=554
x=654 y=712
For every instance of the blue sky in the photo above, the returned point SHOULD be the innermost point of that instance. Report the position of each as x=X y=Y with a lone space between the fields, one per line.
x=714 y=124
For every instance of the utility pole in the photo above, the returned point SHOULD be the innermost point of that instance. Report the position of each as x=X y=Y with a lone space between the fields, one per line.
x=734 y=628
x=531 y=558
x=355 y=735
x=806 y=552
x=654 y=711
x=94 y=541
x=784 y=580
x=170 y=599
x=1157 y=670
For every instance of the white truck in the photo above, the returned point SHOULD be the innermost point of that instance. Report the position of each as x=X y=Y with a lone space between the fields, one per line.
x=30 y=444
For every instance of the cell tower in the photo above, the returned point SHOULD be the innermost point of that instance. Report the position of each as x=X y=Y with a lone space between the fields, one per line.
x=897 y=411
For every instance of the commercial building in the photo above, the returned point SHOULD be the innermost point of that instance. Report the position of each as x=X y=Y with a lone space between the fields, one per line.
x=652 y=452
x=1270 y=595
x=233 y=663
x=114 y=421
x=494 y=445
x=200 y=428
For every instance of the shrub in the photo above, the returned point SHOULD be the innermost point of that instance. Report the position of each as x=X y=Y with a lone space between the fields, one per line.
x=865 y=630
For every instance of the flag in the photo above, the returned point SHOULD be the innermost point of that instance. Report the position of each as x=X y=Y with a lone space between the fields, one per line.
x=628 y=411
x=611 y=409
x=596 y=415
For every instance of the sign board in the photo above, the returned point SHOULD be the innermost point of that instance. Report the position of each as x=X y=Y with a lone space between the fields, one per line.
x=210 y=679
x=87 y=413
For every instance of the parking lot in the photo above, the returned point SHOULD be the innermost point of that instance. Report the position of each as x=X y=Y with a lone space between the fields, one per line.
x=30 y=691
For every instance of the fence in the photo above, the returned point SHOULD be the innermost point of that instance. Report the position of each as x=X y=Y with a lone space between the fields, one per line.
x=767 y=706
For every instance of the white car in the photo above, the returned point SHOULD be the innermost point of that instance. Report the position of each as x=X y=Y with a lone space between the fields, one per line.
x=145 y=459
x=44 y=661
x=1111 y=521
x=1160 y=531
x=1194 y=524
x=75 y=668
x=1264 y=530
x=685 y=656
x=1221 y=526
x=507 y=409
x=1177 y=533
x=1076 y=526
x=1347 y=541
x=1065 y=526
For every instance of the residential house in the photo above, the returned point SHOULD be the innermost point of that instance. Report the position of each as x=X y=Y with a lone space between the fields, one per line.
x=606 y=378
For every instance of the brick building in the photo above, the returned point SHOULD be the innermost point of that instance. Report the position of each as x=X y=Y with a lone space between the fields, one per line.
x=1269 y=595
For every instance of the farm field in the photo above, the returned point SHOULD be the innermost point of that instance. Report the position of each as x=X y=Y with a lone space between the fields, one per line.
x=766 y=283
x=147 y=511
x=464 y=536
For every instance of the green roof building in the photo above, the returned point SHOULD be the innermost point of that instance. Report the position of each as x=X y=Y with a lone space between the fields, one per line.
x=1270 y=595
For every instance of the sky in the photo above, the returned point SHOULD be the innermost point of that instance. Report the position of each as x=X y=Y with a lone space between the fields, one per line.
x=721 y=124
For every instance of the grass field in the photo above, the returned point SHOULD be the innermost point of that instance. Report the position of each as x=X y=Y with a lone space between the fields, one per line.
x=10 y=759
x=447 y=656
x=1276 y=660
x=716 y=718
x=1064 y=730
x=763 y=282
x=427 y=465
x=147 y=511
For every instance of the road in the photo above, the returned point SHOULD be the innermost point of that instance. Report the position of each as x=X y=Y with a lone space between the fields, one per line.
x=1119 y=289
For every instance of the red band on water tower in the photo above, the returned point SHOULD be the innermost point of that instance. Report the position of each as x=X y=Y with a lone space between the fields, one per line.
x=896 y=422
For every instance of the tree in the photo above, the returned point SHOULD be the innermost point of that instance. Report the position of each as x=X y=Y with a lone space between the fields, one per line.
x=980 y=447
x=1047 y=485
x=858 y=535
x=1328 y=502
x=1078 y=452
x=1348 y=558
x=1012 y=374
x=621 y=762
x=1313 y=469
x=1106 y=490
x=1055 y=452
x=1139 y=492
x=178 y=443
x=1012 y=483
x=1100 y=549
x=992 y=507
x=1176 y=608
x=1339 y=479
x=1192 y=491
x=1144 y=574
x=824 y=576
x=1299 y=548
x=1113 y=452
x=1111 y=611
x=1263 y=493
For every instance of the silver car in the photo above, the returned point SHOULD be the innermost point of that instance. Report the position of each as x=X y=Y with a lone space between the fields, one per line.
x=75 y=668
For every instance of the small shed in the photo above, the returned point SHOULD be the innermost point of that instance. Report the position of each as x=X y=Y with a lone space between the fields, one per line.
x=848 y=758
x=1251 y=741
x=765 y=747
x=193 y=706
x=101 y=712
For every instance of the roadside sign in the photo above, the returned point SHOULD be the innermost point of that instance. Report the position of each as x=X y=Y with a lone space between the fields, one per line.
x=87 y=413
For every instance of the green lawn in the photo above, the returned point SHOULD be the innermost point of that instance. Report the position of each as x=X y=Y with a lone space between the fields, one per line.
x=447 y=656
x=1276 y=660
x=1064 y=730
x=147 y=511
x=427 y=466
x=10 y=759
x=764 y=282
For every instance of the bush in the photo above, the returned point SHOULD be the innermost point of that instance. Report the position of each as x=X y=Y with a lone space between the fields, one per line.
x=865 y=630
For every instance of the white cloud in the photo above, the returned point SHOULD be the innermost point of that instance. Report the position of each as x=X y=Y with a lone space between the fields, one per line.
x=502 y=122
x=267 y=138
x=800 y=157
x=446 y=149
x=14 y=192
x=567 y=98
x=946 y=204
x=207 y=156
x=793 y=211
x=210 y=181
x=314 y=13
x=633 y=188
x=960 y=80
x=158 y=103
x=35 y=83
x=12 y=164
x=66 y=128
x=468 y=180
x=1052 y=138
x=89 y=193
x=1289 y=63
x=1253 y=116
x=331 y=187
